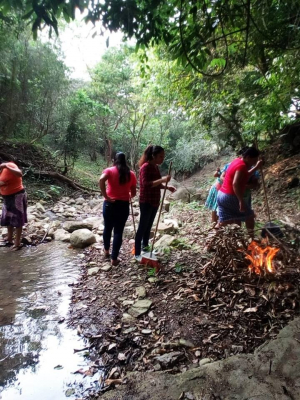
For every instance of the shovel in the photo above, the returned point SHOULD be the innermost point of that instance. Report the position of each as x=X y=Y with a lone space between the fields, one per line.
x=269 y=228
x=149 y=258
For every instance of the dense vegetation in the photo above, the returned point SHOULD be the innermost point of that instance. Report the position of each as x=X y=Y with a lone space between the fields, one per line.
x=214 y=74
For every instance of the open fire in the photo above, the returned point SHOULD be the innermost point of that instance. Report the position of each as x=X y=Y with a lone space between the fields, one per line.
x=261 y=258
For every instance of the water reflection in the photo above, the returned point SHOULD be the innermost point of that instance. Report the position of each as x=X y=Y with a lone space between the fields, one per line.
x=36 y=350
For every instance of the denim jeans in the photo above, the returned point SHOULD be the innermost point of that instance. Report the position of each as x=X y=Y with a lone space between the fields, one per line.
x=115 y=216
x=148 y=213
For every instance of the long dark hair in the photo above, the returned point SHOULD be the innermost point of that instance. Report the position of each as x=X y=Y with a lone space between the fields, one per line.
x=124 y=171
x=150 y=152
x=251 y=152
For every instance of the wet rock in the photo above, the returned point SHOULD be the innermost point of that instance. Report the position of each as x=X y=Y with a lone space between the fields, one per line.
x=141 y=292
x=93 y=271
x=140 y=307
x=82 y=238
x=61 y=235
x=169 y=359
x=164 y=241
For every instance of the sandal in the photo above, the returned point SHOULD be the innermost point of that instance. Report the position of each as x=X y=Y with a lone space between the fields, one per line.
x=6 y=243
x=106 y=255
x=116 y=262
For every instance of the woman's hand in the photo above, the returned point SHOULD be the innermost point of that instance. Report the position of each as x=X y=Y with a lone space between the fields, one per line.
x=242 y=206
x=166 y=179
x=109 y=199
x=171 y=188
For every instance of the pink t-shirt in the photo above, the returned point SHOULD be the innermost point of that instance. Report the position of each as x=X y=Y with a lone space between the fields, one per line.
x=114 y=189
x=236 y=165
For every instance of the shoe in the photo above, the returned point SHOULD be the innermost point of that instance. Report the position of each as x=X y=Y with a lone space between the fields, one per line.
x=138 y=258
x=114 y=263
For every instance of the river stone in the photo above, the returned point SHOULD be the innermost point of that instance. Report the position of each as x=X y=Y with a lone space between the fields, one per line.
x=164 y=241
x=80 y=201
x=141 y=292
x=165 y=228
x=172 y=222
x=72 y=226
x=40 y=208
x=93 y=271
x=169 y=359
x=82 y=238
x=106 y=268
x=61 y=235
x=127 y=318
x=140 y=307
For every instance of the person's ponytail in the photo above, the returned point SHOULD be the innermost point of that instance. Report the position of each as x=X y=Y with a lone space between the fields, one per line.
x=150 y=152
x=122 y=167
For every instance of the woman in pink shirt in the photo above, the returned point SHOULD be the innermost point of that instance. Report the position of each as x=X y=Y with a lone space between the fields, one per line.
x=121 y=185
x=232 y=207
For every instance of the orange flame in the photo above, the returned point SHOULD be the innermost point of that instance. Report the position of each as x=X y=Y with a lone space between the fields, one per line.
x=261 y=259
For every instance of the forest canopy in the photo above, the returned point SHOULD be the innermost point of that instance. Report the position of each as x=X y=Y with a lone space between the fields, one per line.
x=204 y=76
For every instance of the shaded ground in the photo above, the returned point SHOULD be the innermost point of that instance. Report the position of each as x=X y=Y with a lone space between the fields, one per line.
x=204 y=304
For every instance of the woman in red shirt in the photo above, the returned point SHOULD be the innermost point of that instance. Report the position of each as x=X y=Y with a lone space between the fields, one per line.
x=14 y=211
x=232 y=208
x=121 y=185
x=151 y=183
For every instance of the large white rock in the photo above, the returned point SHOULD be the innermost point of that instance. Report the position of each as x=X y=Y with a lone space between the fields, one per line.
x=61 y=235
x=82 y=238
x=40 y=208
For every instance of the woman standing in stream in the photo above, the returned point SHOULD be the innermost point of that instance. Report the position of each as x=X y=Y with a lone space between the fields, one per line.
x=121 y=186
x=14 y=210
x=151 y=183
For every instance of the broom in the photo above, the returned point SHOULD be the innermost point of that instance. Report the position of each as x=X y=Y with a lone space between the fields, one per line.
x=149 y=258
x=133 y=250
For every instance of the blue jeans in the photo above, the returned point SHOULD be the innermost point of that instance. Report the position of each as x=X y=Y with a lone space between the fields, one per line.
x=115 y=216
x=148 y=213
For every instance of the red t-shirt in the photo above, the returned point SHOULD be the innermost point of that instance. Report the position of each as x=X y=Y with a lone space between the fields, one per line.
x=148 y=194
x=236 y=165
x=13 y=183
x=114 y=189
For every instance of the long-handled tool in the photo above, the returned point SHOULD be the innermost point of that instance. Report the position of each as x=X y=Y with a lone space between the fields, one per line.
x=269 y=226
x=133 y=250
x=149 y=258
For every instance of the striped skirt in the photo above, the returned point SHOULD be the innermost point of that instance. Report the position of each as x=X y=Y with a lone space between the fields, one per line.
x=229 y=208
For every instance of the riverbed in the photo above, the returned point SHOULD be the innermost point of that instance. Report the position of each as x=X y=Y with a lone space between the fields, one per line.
x=37 y=358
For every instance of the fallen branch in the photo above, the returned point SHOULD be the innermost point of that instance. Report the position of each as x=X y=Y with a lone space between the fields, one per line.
x=62 y=178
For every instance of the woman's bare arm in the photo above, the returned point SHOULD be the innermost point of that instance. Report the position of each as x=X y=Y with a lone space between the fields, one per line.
x=15 y=170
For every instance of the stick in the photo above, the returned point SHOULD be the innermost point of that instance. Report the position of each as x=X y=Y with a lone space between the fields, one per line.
x=160 y=210
x=265 y=193
x=132 y=216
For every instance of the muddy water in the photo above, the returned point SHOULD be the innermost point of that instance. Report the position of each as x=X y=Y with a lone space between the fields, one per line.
x=37 y=359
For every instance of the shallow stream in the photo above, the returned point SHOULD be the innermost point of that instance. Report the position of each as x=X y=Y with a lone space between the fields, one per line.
x=37 y=359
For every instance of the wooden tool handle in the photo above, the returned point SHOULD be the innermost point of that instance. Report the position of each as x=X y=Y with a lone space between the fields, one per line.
x=132 y=216
x=265 y=193
x=160 y=210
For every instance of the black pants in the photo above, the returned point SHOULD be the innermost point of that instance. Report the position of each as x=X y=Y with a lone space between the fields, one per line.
x=148 y=213
x=115 y=216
